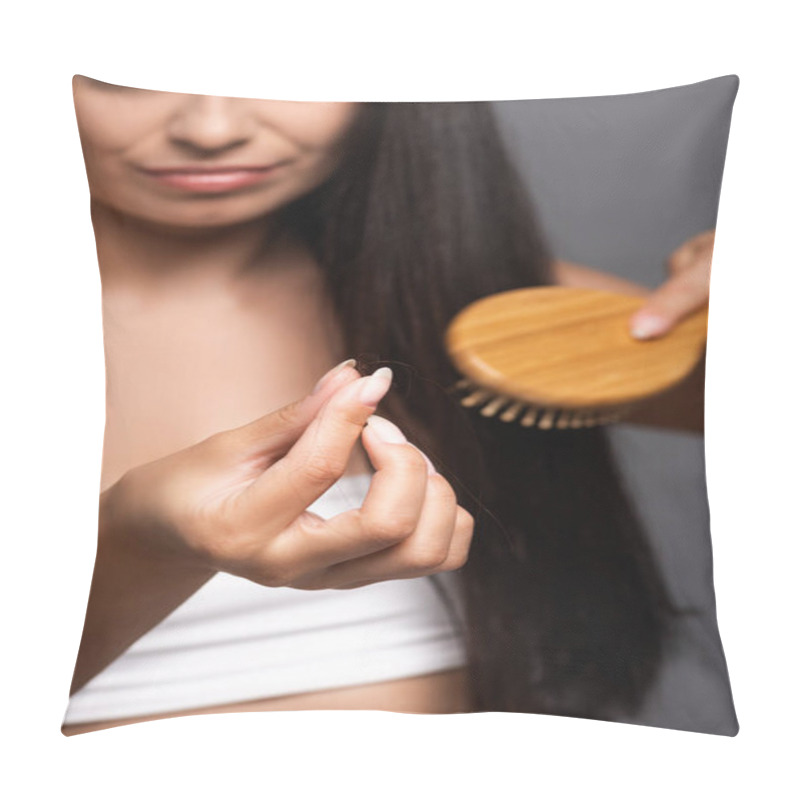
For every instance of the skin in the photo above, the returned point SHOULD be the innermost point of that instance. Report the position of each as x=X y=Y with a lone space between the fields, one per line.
x=198 y=345
x=685 y=291
x=204 y=428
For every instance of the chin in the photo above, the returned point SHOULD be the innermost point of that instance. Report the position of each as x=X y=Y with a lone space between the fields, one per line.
x=200 y=219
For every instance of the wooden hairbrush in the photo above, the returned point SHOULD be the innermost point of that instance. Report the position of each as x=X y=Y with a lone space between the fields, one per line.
x=562 y=357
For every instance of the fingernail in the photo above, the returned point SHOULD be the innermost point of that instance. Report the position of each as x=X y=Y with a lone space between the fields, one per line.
x=386 y=430
x=376 y=386
x=646 y=326
x=351 y=362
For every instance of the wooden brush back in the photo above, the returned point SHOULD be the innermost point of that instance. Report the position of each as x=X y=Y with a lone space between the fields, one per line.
x=570 y=348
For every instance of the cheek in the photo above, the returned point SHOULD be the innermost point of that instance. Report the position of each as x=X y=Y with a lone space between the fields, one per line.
x=114 y=132
x=318 y=130
x=106 y=127
x=329 y=122
x=113 y=128
x=311 y=127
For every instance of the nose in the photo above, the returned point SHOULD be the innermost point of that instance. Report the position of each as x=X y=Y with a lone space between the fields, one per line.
x=206 y=125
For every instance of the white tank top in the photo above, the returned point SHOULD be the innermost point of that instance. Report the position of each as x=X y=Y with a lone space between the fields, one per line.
x=235 y=640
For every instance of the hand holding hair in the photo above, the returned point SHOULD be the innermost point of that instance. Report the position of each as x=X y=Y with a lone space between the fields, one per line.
x=410 y=524
x=236 y=502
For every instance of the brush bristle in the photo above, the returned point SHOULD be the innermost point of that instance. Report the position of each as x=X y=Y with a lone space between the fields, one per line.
x=527 y=414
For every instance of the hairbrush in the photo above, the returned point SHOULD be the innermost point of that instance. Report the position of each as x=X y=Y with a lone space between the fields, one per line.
x=562 y=357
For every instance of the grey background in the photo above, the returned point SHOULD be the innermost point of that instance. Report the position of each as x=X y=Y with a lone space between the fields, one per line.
x=619 y=182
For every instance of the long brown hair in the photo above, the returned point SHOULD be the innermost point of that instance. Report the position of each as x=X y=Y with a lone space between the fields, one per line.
x=566 y=610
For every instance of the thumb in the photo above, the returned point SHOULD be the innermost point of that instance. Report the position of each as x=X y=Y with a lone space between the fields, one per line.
x=319 y=456
x=274 y=433
x=668 y=305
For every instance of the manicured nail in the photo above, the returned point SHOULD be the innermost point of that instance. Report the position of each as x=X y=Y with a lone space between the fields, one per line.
x=351 y=362
x=386 y=430
x=376 y=386
x=646 y=327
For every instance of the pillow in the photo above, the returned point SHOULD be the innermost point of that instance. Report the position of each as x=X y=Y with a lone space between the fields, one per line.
x=263 y=541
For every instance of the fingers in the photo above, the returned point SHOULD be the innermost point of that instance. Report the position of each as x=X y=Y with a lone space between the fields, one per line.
x=677 y=298
x=699 y=246
x=456 y=557
x=423 y=551
x=410 y=524
x=317 y=459
x=390 y=512
x=682 y=295
x=274 y=433
x=694 y=254
x=440 y=542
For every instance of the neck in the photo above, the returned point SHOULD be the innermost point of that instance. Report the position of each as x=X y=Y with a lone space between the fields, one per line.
x=139 y=255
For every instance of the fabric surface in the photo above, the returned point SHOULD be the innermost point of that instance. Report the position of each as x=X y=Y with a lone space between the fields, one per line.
x=617 y=183
x=234 y=640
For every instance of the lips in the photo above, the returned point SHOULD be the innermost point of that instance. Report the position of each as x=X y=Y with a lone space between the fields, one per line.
x=211 y=179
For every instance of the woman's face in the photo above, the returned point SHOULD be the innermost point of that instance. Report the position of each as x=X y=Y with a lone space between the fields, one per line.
x=185 y=160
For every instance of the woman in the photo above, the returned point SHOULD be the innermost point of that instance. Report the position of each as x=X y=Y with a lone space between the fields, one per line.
x=225 y=226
